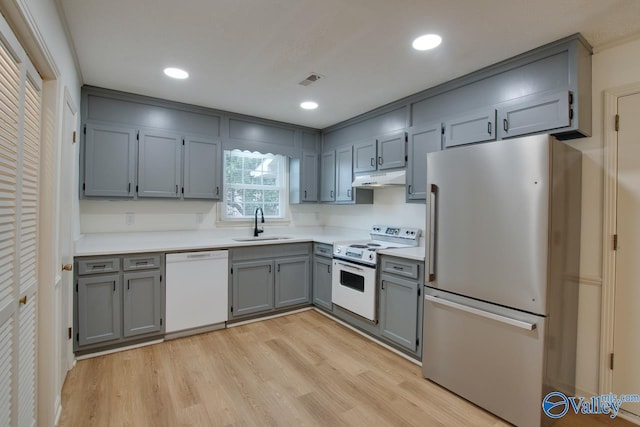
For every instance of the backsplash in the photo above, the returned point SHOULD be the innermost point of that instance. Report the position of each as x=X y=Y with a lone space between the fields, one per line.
x=100 y=216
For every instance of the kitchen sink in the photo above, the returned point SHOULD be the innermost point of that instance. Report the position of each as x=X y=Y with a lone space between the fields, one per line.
x=259 y=238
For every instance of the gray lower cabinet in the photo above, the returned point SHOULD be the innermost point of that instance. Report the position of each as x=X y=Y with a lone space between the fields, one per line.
x=322 y=281
x=202 y=171
x=98 y=309
x=109 y=161
x=119 y=299
x=142 y=305
x=159 y=164
x=328 y=177
x=252 y=287
x=422 y=140
x=269 y=277
x=291 y=287
x=401 y=302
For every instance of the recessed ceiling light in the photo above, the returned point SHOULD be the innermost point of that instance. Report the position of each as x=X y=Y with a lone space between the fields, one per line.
x=309 y=105
x=176 y=73
x=427 y=41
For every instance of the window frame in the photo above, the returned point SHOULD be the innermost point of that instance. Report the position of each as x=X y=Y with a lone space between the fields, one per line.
x=223 y=219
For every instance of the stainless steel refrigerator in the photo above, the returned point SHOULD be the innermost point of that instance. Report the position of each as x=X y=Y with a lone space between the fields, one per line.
x=501 y=302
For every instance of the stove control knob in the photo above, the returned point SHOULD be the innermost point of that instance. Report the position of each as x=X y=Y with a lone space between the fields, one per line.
x=371 y=256
x=338 y=250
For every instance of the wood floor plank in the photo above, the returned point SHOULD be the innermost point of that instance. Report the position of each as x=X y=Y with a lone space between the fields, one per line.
x=301 y=369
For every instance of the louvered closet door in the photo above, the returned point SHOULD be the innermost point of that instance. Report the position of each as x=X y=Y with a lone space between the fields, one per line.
x=20 y=124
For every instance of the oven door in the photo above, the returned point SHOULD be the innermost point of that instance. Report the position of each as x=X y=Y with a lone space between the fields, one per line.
x=353 y=287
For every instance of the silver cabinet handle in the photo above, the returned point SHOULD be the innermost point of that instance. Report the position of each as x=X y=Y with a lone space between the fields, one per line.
x=204 y=255
x=488 y=315
x=349 y=193
x=331 y=194
x=380 y=160
x=373 y=161
x=350 y=266
x=505 y=125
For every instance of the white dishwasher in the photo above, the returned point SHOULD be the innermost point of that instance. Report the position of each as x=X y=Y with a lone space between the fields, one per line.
x=197 y=289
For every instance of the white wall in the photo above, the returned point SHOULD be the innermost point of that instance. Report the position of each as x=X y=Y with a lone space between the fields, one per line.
x=613 y=67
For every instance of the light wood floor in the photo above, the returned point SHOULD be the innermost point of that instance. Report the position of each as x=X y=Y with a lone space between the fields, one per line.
x=302 y=369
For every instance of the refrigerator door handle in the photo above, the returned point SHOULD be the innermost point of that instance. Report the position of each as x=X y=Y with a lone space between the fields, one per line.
x=503 y=319
x=433 y=226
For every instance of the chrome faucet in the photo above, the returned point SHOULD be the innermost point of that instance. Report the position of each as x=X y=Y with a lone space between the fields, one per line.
x=256 y=230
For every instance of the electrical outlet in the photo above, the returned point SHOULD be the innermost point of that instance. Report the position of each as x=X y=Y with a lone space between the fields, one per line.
x=199 y=218
x=130 y=218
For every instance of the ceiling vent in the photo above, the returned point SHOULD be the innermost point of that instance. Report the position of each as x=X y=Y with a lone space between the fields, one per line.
x=312 y=78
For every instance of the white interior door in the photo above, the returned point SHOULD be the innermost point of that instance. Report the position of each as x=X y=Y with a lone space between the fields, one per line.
x=626 y=341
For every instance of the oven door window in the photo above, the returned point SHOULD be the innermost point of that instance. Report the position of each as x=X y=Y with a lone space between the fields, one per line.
x=351 y=280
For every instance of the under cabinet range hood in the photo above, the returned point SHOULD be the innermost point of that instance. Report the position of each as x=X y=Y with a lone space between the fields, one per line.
x=380 y=179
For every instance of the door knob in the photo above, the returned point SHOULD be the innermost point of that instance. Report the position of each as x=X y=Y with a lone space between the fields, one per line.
x=67 y=267
x=23 y=300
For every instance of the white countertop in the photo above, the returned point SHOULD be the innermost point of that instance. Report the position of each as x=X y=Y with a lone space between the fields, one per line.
x=222 y=238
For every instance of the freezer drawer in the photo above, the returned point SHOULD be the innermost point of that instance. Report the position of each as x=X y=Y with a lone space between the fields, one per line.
x=490 y=355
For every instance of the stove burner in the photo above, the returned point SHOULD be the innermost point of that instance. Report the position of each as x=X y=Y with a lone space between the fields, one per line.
x=358 y=246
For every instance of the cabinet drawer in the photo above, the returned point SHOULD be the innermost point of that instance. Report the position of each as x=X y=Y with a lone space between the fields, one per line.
x=98 y=265
x=400 y=267
x=141 y=262
x=323 y=249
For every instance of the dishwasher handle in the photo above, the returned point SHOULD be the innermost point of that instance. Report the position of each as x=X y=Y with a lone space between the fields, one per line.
x=486 y=314
x=196 y=256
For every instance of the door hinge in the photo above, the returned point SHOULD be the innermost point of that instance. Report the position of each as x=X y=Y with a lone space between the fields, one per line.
x=77 y=337
x=182 y=141
x=161 y=277
x=615 y=242
x=231 y=270
x=570 y=113
x=161 y=321
x=137 y=136
x=418 y=291
x=74 y=137
x=611 y=361
x=182 y=190
x=406 y=158
x=84 y=131
x=76 y=287
x=136 y=188
x=617 y=122
x=232 y=309
x=406 y=137
x=70 y=335
x=417 y=341
x=84 y=186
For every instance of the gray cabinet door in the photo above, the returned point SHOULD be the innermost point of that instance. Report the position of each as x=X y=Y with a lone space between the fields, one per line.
x=142 y=306
x=252 y=287
x=309 y=177
x=293 y=276
x=159 y=164
x=99 y=309
x=392 y=151
x=365 y=156
x=477 y=126
x=109 y=161
x=399 y=311
x=536 y=114
x=421 y=141
x=328 y=177
x=344 y=174
x=202 y=169
x=322 y=281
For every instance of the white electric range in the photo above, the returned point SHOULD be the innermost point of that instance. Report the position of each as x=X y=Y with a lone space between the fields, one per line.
x=354 y=268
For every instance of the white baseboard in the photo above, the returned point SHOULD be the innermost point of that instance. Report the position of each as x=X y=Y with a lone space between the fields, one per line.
x=58 y=410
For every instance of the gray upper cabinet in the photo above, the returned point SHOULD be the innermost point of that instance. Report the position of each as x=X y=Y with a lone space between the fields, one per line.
x=109 y=161
x=159 y=164
x=202 y=172
x=365 y=156
x=98 y=309
x=392 y=151
x=142 y=307
x=421 y=141
x=252 y=287
x=309 y=177
x=328 y=177
x=344 y=174
x=478 y=126
x=387 y=152
x=293 y=276
x=536 y=114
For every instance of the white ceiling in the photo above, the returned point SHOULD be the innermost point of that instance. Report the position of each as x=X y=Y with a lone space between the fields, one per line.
x=248 y=56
